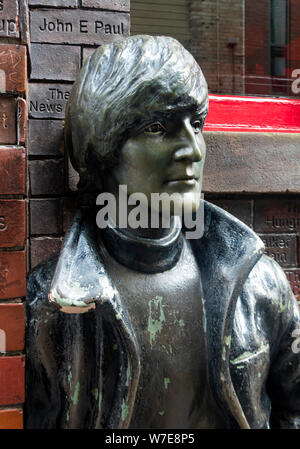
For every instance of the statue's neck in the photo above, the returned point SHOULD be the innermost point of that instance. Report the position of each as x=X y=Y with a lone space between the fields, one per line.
x=149 y=250
x=149 y=232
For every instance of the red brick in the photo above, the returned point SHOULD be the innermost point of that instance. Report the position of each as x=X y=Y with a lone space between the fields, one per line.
x=12 y=326
x=12 y=274
x=13 y=68
x=12 y=223
x=8 y=113
x=11 y=418
x=12 y=171
x=10 y=19
x=12 y=376
x=294 y=280
x=22 y=121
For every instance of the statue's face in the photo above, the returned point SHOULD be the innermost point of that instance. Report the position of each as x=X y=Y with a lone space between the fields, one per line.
x=165 y=155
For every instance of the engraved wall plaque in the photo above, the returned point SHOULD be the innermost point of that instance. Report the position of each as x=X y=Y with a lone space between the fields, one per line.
x=48 y=100
x=9 y=21
x=281 y=247
x=277 y=215
x=8 y=133
x=12 y=223
x=12 y=68
x=78 y=26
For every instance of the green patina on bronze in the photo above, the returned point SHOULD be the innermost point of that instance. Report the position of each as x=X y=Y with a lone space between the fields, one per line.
x=167 y=381
x=155 y=325
x=75 y=396
x=70 y=375
x=128 y=374
x=248 y=354
x=124 y=410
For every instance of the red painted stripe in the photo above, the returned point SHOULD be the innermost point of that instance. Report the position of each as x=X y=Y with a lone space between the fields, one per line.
x=253 y=114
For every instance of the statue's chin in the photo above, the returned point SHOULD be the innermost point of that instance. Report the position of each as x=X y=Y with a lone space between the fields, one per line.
x=186 y=203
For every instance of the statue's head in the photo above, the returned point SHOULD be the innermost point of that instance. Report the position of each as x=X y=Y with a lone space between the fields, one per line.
x=130 y=101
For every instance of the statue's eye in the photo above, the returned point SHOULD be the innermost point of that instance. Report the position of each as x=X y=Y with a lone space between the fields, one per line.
x=155 y=128
x=197 y=125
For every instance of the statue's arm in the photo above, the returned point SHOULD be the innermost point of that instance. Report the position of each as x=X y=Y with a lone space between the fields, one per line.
x=42 y=386
x=63 y=361
x=283 y=385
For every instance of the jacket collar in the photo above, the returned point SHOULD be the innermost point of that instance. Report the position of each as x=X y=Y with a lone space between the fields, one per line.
x=226 y=253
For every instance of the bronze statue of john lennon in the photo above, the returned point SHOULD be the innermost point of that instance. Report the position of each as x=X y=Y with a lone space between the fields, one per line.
x=144 y=328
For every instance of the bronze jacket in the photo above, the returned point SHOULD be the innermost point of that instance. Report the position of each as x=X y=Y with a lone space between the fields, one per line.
x=75 y=380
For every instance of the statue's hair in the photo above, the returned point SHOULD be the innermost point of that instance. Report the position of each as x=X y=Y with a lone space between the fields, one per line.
x=120 y=85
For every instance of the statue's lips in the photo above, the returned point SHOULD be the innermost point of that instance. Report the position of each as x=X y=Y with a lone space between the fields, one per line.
x=187 y=180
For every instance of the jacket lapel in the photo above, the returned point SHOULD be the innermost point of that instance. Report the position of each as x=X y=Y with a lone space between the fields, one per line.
x=80 y=279
x=226 y=253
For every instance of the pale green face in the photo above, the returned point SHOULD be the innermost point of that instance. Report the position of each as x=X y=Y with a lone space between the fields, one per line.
x=165 y=155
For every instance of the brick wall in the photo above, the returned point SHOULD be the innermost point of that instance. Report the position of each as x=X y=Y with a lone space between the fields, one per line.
x=61 y=38
x=255 y=176
x=231 y=40
x=276 y=219
x=257 y=48
x=13 y=205
x=294 y=47
x=258 y=51
x=217 y=43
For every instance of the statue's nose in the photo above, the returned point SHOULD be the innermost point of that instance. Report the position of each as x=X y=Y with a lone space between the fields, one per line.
x=189 y=148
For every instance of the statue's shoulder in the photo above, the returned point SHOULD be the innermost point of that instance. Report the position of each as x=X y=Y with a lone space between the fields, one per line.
x=270 y=273
x=268 y=286
x=39 y=281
